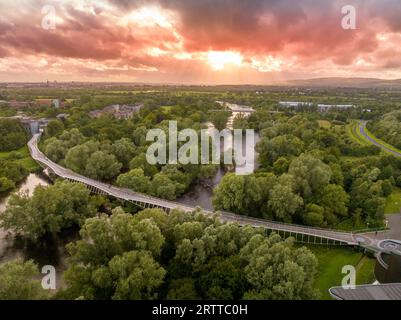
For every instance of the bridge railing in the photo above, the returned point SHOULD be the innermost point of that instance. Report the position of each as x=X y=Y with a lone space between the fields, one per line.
x=123 y=193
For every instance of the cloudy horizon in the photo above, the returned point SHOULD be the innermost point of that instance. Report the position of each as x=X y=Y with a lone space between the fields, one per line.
x=198 y=42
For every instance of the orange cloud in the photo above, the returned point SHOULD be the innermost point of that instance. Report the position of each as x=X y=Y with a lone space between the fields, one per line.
x=230 y=41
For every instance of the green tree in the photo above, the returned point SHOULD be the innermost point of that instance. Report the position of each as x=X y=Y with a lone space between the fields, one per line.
x=12 y=135
x=334 y=200
x=55 y=149
x=219 y=119
x=136 y=275
x=77 y=157
x=17 y=281
x=140 y=162
x=6 y=184
x=12 y=170
x=102 y=166
x=314 y=215
x=124 y=151
x=49 y=210
x=276 y=271
x=246 y=195
x=310 y=174
x=72 y=138
x=54 y=128
x=134 y=180
x=230 y=195
x=182 y=289
x=387 y=188
x=223 y=278
x=271 y=150
x=162 y=186
x=183 y=255
x=115 y=259
x=139 y=136
x=284 y=203
x=281 y=165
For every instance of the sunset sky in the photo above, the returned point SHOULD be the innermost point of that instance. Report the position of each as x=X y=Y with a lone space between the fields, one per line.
x=198 y=41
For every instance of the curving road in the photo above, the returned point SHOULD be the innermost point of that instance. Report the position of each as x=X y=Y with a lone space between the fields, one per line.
x=362 y=130
x=303 y=233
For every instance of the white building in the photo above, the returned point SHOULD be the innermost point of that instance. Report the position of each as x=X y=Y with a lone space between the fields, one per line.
x=294 y=104
x=327 y=107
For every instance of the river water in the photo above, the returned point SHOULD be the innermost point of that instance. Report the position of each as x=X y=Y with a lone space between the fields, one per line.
x=47 y=252
x=7 y=240
x=201 y=194
x=52 y=251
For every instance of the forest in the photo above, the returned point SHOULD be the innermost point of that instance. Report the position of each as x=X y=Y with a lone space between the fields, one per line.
x=311 y=170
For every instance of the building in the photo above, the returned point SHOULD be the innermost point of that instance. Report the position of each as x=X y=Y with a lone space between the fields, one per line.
x=390 y=291
x=320 y=107
x=44 y=102
x=118 y=111
x=327 y=107
x=56 y=103
x=19 y=104
x=294 y=104
x=34 y=126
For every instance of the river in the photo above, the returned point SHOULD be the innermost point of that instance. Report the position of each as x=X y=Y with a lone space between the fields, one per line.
x=201 y=194
x=46 y=252
x=52 y=251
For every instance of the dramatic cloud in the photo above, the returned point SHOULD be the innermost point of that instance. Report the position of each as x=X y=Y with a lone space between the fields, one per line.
x=198 y=41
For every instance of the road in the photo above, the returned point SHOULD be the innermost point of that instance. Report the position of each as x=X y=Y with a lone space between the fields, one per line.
x=362 y=130
x=303 y=232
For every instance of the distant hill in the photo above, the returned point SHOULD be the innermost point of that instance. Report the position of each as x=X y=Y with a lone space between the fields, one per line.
x=344 y=82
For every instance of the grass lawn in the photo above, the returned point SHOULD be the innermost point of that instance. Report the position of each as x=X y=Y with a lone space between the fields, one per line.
x=166 y=108
x=353 y=132
x=24 y=159
x=393 y=202
x=331 y=261
x=324 y=124
x=389 y=146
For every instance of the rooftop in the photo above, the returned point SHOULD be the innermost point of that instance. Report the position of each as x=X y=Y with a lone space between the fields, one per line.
x=368 y=292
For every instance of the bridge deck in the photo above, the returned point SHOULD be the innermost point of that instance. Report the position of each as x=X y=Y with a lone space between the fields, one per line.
x=346 y=238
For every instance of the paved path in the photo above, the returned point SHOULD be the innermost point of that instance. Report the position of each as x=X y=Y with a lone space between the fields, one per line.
x=362 y=130
x=303 y=232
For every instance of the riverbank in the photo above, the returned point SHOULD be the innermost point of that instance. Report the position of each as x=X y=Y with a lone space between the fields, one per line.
x=45 y=252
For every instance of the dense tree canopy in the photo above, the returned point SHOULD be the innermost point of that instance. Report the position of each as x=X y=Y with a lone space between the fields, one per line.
x=18 y=281
x=12 y=135
x=49 y=210
x=388 y=128
x=133 y=257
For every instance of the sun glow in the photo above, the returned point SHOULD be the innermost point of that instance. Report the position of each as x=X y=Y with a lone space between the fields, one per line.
x=218 y=60
x=150 y=17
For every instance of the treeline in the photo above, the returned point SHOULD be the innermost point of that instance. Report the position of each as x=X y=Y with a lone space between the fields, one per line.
x=12 y=135
x=114 y=150
x=388 y=128
x=11 y=173
x=304 y=178
x=152 y=255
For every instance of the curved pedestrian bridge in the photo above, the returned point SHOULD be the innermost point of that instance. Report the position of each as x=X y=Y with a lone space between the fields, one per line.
x=302 y=234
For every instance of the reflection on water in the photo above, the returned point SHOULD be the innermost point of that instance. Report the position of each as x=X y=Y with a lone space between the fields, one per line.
x=8 y=242
x=201 y=194
x=29 y=185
